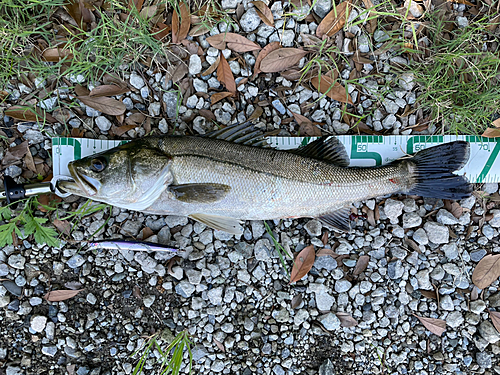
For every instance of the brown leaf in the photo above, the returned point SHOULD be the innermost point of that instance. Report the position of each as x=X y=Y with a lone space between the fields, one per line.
x=62 y=226
x=148 y=12
x=486 y=271
x=120 y=130
x=491 y=133
x=212 y=67
x=257 y=112
x=332 y=89
x=496 y=123
x=61 y=295
x=346 y=320
x=108 y=90
x=209 y=115
x=456 y=210
x=361 y=264
x=225 y=75
x=431 y=294
x=296 y=301
x=29 y=114
x=104 y=104
x=462 y=2
x=327 y=252
x=76 y=10
x=160 y=30
x=236 y=42
x=324 y=238
x=301 y=120
x=15 y=154
x=273 y=46
x=135 y=119
x=219 y=345
x=495 y=318
x=181 y=23
x=281 y=59
x=81 y=91
x=303 y=263
x=310 y=130
x=264 y=13
x=436 y=326
x=28 y=159
x=179 y=72
x=333 y=21
x=56 y=54
x=218 y=96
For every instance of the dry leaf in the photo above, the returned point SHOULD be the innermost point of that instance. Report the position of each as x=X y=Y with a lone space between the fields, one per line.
x=456 y=210
x=257 y=112
x=180 y=27
x=296 y=301
x=332 y=89
x=310 y=130
x=346 y=320
x=28 y=160
x=462 y=2
x=56 y=54
x=120 y=130
x=436 y=326
x=219 y=345
x=496 y=123
x=209 y=115
x=14 y=154
x=495 y=318
x=333 y=21
x=264 y=13
x=104 y=104
x=361 y=264
x=301 y=119
x=179 y=72
x=225 y=75
x=218 y=96
x=303 y=263
x=148 y=12
x=491 y=133
x=29 y=114
x=236 y=42
x=486 y=271
x=108 y=90
x=324 y=238
x=273 y=46
x=160 y=30
x=474 y=294
x=135 y=119
x=431 y=294
x=62 y=226
x=212 y=67
x=327 y=252
x=81 y=91
x=61 y=295
x=281 y=59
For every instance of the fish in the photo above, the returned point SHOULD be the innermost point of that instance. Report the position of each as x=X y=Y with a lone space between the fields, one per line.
x=229 y=176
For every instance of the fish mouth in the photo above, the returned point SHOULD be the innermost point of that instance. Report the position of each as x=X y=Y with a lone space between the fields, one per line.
x=82 y=184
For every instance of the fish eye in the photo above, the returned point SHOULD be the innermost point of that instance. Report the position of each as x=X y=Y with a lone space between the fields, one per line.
x=98 y=164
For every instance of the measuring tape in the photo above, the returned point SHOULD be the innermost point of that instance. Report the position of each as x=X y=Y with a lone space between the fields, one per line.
x=363 y=150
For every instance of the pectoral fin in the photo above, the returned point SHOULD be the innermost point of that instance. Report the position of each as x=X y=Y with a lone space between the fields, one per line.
x=199 y=193
x=223 y=223
x=338 y=219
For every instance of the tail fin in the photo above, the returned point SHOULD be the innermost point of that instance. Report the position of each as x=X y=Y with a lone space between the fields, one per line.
x=433 y=171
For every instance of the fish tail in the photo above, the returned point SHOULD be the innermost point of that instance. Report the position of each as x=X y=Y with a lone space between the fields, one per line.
x=432 y=171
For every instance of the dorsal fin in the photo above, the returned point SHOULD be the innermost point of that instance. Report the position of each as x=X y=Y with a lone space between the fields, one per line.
x=245 y=134
x=327 y=149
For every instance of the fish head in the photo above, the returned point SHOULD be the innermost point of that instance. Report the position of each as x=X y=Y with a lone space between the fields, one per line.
x=131 y=176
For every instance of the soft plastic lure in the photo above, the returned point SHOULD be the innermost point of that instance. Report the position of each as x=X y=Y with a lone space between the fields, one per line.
x=130 y=245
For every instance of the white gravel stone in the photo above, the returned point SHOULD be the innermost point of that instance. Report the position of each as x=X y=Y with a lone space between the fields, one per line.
x=250 y=20
x=136 y=81
x=437 y=233
x=194 y=65
x=103 y=123
x=38 y=322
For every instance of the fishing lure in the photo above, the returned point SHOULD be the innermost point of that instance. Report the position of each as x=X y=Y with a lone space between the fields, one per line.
x=130 y=245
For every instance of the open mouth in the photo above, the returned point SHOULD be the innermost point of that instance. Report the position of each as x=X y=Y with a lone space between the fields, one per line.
x=82 y=185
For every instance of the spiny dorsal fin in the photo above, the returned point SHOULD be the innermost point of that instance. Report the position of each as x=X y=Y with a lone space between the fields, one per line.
x=327 y=149
x=245 y=134
x=338 y=219
x=199 y=193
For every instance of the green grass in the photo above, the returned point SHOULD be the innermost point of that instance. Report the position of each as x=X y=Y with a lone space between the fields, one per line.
x=459 y=81
x=282 y=253
x=170 y=359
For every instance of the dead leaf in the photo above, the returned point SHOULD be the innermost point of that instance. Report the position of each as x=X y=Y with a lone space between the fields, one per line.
x=456 y=210
x=120 y=130
x=332 y=89
x=212 y=67
x=474 y=294
x=62 y=226
x=257 y=112
x=135 y=119
x=108 y=90
x=495 y=318
x=236 y=42
x=310 y=130
x=81 y=91
x=486 y=271
x=431 y=294
x=327 y=252
x=301 y=119
x=281 y=59
x=303 y=263
x=496 y=123
x=361 y=264
x=180 y=27
x=161 y=30
x=29 y=114
x=219 y=345
x=179 y=72
x=436 y=326
x=491 y=133
x=218 y=96
x=28 y=160
x=273 y=46
x=333 y=21
x=264 y=13
x=148 y=12
x=209 y=115
x=61 y=295
x=296 y=301
x=346 y=320
x=56 y=54
x=462 y=2
x=225 y=75
x=324 y=238
x=104 y=104
x=14 y=154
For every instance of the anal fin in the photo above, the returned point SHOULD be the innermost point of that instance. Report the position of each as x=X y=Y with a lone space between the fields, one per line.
x=223 y=223
x=338 y=219
x=199 y=193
